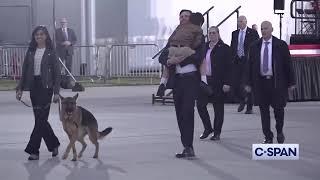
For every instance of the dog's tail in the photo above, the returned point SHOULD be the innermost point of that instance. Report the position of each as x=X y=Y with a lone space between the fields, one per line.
x=104 y=133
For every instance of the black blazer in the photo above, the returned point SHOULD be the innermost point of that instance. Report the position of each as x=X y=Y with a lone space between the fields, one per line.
x=60 y=38
x=283 y=73
x=50 y=71
x=251 y=36
x=220 y=67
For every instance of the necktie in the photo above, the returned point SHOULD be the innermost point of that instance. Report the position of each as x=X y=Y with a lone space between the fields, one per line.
x=65 y=32
x=240 y=45
x=265 y=60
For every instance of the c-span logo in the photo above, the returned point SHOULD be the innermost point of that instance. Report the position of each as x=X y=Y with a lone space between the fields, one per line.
x=275 y=151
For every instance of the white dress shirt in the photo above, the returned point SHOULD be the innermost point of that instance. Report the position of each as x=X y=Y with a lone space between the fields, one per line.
x=208 y=62
x=65 y=31
x=269 y=72
x=37 y=61
x=185 y=69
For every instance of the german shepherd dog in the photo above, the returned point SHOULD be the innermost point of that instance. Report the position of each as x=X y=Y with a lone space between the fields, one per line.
x=77 y=123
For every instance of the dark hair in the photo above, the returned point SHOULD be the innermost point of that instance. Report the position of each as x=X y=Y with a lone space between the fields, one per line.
x=185 y=10
x=197 y=19
x=33 y=44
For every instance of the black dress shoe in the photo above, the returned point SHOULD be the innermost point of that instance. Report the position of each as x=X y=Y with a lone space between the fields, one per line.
x=161 y=90
x=267 y=141
x=186 y=153
x=215 y=137
x=280 y=138
x=241 y=107
x=205 y=134
x=249 y=111
x=33 y=157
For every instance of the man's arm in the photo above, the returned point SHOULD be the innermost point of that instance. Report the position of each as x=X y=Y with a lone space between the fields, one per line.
x=233 y=45
x=197 y=57
x=288 y=64
x=228 y=66
x=248 y=67
x=73 y=37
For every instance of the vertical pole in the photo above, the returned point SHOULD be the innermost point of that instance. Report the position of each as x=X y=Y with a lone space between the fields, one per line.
x=280 y=25
x=208 y=26
x=54 y=22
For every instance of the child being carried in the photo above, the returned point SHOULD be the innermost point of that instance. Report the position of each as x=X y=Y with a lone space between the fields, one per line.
x=182 y=44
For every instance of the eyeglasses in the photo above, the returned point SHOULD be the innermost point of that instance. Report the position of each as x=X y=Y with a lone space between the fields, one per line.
x=212 y=32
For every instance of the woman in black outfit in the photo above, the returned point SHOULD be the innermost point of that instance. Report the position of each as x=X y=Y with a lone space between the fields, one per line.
x=217 y=67
x=40 y=76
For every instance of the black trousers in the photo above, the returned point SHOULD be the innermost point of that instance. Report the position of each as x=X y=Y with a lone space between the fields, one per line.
x=218 y=107
x=267 y=96
x=185 y=93
x=238 y=86
x=41 y=99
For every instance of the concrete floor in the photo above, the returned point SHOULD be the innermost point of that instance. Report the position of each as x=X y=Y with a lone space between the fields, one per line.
x=146 y=137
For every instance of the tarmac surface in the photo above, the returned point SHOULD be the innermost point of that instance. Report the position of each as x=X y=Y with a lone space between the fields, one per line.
x=146 y=137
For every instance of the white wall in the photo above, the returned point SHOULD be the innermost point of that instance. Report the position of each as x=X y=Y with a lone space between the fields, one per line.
x=156 y=19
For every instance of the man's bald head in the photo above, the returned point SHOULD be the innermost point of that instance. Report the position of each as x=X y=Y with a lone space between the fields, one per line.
x=242 y=22
x=266 y=30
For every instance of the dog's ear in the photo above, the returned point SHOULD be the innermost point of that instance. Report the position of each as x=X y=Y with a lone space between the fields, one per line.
x=61 y=97
x=75 y=97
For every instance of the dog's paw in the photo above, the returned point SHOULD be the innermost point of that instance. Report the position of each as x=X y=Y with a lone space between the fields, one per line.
x=74 y=159
x=64 y=156
x=79 y=155
x=95 y=156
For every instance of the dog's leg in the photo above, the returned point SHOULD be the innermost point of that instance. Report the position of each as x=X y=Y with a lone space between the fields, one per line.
x=93 y=136
x=70 y=145
x=66 y=153
x=84 y=145
x=74 y=152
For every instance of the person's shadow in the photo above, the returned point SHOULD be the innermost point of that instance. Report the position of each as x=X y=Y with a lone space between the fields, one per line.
x=39 y=172
x=82 y=170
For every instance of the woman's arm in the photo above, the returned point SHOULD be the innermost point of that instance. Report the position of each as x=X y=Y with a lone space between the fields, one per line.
x=56 y=74
x=23 y=75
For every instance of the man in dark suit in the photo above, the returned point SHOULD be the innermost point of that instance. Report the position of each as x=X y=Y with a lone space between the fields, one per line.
x=269 y=74
x=185 y=83
x=216 y=66
x=65 y=40
x=241 y=40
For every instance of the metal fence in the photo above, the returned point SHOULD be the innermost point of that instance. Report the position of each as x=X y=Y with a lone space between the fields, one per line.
x=11 y=60
x=113 y=61
x=133 y=60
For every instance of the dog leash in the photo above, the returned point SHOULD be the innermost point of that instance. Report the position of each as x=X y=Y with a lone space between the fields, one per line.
x=35 y=107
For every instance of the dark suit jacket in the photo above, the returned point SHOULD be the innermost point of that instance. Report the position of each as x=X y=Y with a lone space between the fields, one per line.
x=251 y=36
x=220 y=67
x=283 y=73
x=60 y=38
x=50 y=71
x=195 y=59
